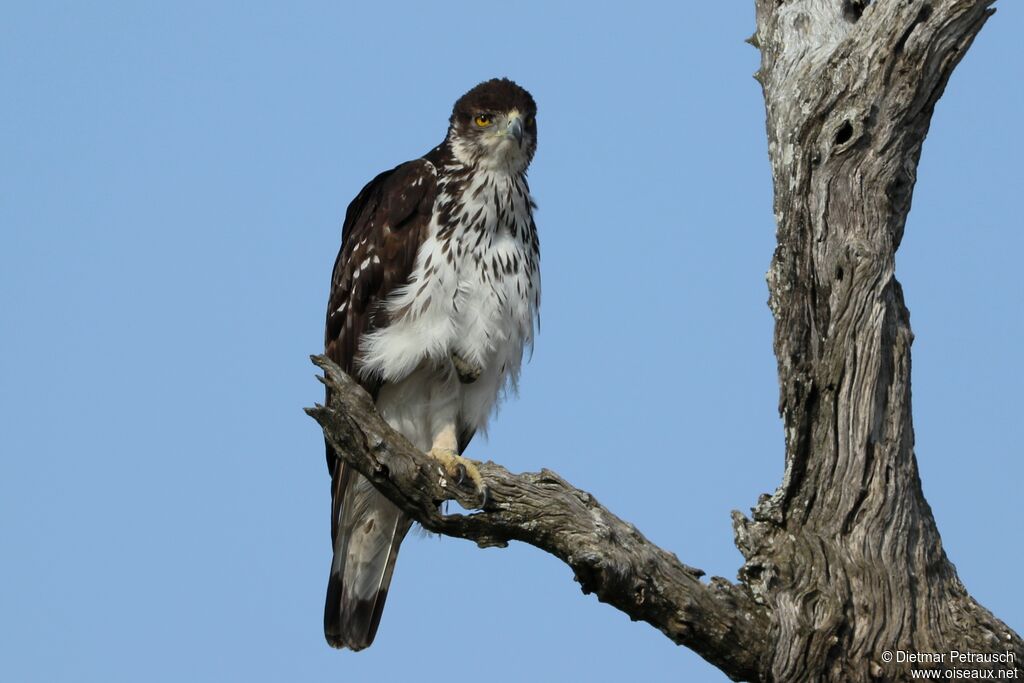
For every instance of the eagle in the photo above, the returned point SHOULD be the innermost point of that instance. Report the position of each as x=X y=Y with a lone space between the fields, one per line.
x=434 y=297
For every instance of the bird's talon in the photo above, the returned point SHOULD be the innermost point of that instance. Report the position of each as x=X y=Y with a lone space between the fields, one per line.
x=461 y=470
x=468 y=372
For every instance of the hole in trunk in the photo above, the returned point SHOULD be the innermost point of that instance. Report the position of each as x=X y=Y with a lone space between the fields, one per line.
x=853 y=9
x=844 y=133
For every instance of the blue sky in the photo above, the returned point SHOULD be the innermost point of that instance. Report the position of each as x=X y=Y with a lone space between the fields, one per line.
x=172 y=183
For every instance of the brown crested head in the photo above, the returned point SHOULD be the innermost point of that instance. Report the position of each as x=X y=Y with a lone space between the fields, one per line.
x=494 y=96
x=495 y=125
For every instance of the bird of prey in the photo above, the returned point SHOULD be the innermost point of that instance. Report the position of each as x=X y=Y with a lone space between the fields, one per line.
x=434 y=297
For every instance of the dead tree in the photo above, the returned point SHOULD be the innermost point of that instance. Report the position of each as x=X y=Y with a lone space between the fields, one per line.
x=843 y=562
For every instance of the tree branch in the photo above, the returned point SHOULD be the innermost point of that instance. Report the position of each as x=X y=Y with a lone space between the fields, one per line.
x=844 y=563
x=610 y=558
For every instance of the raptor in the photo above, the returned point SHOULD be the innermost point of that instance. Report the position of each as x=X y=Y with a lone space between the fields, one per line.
x=434 y=298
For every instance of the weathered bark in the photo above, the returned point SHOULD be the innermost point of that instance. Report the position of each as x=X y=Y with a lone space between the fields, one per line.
x=844 y=562
x=610 y=557
x=846 y=553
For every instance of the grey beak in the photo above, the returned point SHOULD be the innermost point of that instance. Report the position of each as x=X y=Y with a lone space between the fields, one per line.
x=515 y=129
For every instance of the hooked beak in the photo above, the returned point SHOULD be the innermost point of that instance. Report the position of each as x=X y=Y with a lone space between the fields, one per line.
x=515 y=129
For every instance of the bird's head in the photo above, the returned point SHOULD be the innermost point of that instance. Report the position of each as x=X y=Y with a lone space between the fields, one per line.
x=494 y=126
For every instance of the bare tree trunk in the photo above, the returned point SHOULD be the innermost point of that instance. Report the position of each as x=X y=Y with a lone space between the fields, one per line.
x=846 y=553
x=844 y=565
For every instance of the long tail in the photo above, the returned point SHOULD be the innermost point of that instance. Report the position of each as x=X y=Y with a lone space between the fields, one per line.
x=367 y=530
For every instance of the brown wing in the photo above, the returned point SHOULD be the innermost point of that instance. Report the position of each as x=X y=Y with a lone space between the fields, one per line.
x=384 y=227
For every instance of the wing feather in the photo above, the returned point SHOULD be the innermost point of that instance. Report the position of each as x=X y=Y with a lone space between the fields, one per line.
x=384 y=227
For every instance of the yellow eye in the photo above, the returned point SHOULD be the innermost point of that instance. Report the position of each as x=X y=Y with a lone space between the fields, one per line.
x=483 y=120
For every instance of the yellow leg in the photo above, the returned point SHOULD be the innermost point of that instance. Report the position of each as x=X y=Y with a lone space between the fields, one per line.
x=446 y=440
x=456 y=467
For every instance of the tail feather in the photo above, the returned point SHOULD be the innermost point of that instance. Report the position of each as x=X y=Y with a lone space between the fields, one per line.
x=367 y=531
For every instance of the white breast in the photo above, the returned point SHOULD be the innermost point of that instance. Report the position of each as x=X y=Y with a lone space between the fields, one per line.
x=475 y=288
